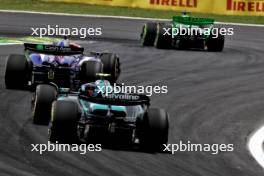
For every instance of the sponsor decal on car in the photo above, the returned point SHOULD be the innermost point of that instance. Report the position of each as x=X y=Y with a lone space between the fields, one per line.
x=121 y=96
x=56 y=48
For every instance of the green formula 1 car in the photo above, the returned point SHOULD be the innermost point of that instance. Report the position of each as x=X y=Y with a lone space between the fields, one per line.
x=184 y=32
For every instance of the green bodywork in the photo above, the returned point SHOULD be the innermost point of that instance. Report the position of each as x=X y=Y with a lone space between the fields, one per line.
x=186 y=21
x=90 y=107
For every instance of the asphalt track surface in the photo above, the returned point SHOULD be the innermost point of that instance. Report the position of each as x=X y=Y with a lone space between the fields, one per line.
x=213 y=98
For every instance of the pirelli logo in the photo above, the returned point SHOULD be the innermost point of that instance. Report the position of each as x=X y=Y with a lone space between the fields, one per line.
x=176 y=3
x=245 y=5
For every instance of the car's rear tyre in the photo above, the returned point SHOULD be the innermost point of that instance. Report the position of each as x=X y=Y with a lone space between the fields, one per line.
x=215 y=44
x=64 y=122
x=17 y=72
x=148 y=34
x=89 y=70
x=163 y=40
x=111 y=65
x=41 y=105
x=155 y=130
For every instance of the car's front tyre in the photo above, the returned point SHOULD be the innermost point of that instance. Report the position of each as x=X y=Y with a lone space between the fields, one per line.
x=111 y=65
x=41 y=105
x=89 y=70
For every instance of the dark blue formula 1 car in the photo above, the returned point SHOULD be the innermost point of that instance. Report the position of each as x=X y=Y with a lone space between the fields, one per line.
x=62 y=63
x=89 y=116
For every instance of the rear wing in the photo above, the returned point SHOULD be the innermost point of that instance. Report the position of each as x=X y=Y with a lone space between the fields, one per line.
x=192 y=20
x=117 y=99
x=51 y=49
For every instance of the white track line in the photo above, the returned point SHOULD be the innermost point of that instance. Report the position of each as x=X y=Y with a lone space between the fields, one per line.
x=118 y=17
x=255 y=145
x=5 y=44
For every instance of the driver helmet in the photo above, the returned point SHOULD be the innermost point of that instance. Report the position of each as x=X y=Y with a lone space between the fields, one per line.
x=63 y=43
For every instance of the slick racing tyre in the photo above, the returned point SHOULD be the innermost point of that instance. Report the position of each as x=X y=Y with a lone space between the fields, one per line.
x=89 y=70
x=64 y=122
x=155 y=130
x=41 y=105
x=17 y=72
x=163 y=40
x=111 y=65
x=148 y=34
x=215 y=43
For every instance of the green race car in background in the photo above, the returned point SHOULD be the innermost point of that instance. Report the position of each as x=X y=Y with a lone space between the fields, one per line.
x=184 y=32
